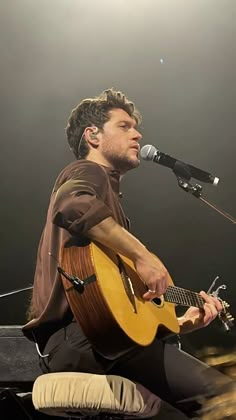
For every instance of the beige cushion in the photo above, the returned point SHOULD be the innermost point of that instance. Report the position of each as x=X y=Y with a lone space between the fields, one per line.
x=67 y=393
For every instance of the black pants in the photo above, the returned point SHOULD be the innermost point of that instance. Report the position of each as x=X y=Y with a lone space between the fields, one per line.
x=168 y=372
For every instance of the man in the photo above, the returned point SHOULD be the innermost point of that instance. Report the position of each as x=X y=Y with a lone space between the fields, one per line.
x=85 y=206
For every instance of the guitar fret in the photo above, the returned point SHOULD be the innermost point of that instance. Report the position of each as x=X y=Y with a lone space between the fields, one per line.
x=183 y=296
x=191 y=301
x=199 y=301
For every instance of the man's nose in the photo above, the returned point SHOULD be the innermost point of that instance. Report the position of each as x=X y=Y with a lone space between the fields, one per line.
x=137 y=135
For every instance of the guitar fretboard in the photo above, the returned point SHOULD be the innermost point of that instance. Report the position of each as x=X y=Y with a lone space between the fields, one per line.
x=183 y=297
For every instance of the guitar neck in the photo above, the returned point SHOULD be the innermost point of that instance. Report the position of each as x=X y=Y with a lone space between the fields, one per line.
x=183 y=297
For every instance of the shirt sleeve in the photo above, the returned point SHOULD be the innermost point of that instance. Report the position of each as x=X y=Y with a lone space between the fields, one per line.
x=79 y=202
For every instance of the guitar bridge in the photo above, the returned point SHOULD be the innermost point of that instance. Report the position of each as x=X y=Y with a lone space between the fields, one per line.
x=127 y=284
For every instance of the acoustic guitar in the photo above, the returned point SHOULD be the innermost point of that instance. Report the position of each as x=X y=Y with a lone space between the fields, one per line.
x=105 y=295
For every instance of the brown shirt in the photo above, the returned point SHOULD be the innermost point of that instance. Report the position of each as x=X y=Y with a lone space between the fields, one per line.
x=84 y=194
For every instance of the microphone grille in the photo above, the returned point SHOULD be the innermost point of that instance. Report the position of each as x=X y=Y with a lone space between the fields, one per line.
x=148 y=152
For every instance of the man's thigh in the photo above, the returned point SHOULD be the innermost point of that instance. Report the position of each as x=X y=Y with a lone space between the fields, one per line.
x=170 y=373
x=69 y=351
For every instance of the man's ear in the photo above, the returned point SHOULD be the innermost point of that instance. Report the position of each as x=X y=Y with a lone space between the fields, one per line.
x=90 y=134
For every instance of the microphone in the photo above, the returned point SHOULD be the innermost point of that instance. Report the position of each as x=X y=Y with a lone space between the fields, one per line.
x=149 y=152
x=75 y=281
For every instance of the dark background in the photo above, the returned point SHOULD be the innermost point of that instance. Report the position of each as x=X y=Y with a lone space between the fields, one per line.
x=176 y=59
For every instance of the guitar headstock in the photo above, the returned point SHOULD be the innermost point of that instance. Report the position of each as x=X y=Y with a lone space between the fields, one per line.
x=225 y=316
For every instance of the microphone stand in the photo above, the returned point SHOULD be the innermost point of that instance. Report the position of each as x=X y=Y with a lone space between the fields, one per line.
x=182 y=172
x=14 y=292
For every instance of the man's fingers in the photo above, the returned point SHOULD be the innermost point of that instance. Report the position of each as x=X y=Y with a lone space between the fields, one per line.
x=150 y=294
x=156 y=291
x=210 y=312
x=212 y=300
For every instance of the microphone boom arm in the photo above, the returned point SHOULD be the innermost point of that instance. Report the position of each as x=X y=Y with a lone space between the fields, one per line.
x=196 y=191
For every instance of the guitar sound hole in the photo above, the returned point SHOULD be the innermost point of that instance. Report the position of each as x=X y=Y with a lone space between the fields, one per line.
x=157 y=301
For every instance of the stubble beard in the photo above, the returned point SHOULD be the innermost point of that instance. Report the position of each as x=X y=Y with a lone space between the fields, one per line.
x=123 y=164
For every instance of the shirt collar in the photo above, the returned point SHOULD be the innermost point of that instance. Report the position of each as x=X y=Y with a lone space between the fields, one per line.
x=114 y=176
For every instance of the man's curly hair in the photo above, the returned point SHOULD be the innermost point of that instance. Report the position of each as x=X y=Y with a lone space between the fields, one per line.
x=95 y=111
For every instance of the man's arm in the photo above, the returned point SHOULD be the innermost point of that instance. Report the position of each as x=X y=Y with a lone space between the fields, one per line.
x=149 y=268
x=151 y=271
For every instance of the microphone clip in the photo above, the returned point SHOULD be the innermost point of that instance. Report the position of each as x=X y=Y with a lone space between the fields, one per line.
x=183 y=175
x=195 y=190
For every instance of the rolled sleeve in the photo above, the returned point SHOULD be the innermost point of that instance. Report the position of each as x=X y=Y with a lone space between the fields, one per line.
x=79 y=203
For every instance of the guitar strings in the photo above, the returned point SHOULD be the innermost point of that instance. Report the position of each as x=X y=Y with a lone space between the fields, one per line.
x=185 y=297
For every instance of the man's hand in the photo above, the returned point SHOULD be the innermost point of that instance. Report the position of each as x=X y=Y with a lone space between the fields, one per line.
x=195 y=318
x=153 y=273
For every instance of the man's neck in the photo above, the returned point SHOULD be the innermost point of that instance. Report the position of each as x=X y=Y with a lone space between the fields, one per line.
x=100 y=160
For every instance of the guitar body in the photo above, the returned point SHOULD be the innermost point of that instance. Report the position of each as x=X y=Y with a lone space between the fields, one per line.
x=112 y=316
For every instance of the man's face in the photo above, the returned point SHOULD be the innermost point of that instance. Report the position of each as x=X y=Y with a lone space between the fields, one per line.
x=120 y=139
